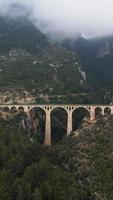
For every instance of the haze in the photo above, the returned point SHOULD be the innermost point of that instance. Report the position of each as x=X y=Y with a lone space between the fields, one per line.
x=64 y=18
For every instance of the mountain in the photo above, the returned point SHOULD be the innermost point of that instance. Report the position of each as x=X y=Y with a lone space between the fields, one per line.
x=96 y=57
x=20 y=33
x=77 y=71
x=30 y=61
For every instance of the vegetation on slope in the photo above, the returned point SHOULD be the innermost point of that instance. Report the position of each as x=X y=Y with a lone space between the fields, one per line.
x=28 y=60
x=96 y=56
x=88 y=156
x=78 y=168
x=26 y=172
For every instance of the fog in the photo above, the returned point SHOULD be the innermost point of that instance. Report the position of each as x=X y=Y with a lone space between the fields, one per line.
x=64 y=18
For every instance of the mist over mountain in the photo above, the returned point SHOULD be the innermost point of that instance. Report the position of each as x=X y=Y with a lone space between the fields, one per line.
x=20 y=33
x=64 y=19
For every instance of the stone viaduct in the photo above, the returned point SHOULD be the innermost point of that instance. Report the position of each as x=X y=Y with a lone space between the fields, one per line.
x=48 y=109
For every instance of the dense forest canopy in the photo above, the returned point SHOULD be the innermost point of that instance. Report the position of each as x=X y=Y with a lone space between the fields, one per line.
x=77 y=168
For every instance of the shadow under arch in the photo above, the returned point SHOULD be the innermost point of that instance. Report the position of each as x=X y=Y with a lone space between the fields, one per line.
x=5 y=109
x=58 y=124
x=21 y=109
x=98 y=112
x=13 y=109
x=37 y=123
x=107 y=111
x=78 y=117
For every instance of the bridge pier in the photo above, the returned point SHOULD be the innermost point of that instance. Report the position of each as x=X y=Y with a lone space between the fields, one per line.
x=92 y=113
x=111 y=111
x=69 y=122
x=48 y=128
x=102 y=111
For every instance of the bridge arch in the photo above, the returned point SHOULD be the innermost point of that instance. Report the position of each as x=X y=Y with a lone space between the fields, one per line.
x=65 y=108
x=59 y=117
x=13 y=109
x=82 y=107
x=5 y=109
x=38 y=121
x=78 y=116
x=107 y=111
x=21 y=109
x=98 y=111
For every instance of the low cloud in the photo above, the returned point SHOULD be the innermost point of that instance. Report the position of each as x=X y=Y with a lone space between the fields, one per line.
x=64 y=18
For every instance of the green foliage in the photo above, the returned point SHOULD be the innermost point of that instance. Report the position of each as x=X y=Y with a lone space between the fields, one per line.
x=29 y=61
x=26 y=172
x=37 y=194
x=77 y=168
x=89 y=157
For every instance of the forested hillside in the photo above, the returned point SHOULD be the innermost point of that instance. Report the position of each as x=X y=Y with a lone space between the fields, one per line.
x=32 y=63
x=78 y=168
x=29 y=61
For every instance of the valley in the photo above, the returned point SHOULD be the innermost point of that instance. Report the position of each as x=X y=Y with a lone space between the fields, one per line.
x=56 y=123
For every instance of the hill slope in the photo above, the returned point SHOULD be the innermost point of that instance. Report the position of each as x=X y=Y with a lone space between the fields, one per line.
x=29 y=61
x=97 y=59
x=79 y=167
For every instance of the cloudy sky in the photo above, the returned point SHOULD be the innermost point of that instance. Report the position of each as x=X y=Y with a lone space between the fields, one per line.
x=65 y=18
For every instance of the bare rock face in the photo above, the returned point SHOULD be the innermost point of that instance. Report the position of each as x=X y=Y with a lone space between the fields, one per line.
x=104 y=51
x=77 y=134
x=83 y=74
x=6 y=115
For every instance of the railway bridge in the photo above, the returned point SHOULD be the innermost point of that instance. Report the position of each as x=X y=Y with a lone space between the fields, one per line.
x=69 y=109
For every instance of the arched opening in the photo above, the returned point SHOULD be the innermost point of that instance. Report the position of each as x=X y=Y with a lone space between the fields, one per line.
x=107 y=111
x=5 y=109
x=36 y=123
x=13 y=110
x=58 y=124
x=21 y=109
x=79 y=116
x=98 y=112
